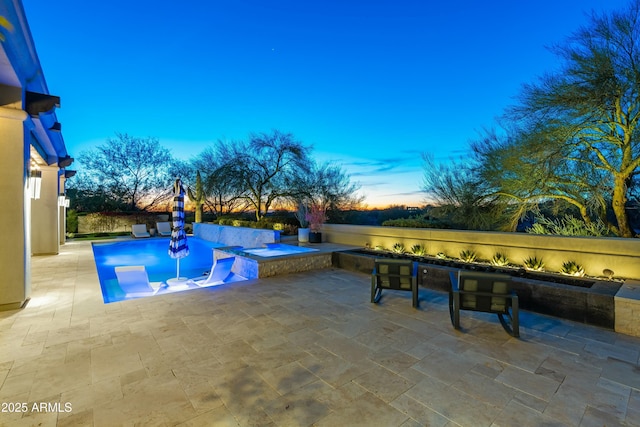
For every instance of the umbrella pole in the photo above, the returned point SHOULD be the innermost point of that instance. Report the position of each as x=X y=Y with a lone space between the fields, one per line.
x=178 y=282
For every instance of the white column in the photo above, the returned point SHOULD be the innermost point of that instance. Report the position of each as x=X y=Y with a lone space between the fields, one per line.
x=15 y=254
x=62 y=214
x=45 y=214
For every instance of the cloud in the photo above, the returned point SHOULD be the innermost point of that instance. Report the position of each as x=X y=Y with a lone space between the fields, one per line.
x=395 y=164
x=408 y=193
x=375 y=184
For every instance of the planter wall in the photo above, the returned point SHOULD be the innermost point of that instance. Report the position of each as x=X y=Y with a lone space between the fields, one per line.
x=592 y=305
x=594 y=253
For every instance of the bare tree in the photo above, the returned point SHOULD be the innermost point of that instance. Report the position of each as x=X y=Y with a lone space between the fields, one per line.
x=265 y=167
x=131 y=169
x=325 y=185
x=221 y=186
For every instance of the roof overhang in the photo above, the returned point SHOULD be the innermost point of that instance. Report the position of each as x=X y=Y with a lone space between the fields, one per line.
x=20 y=67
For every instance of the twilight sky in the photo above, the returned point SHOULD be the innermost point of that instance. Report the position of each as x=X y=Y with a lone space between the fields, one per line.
x=370 y=84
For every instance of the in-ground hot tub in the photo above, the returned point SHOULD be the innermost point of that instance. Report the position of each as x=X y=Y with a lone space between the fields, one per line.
x=273 y=259
x=278 y=249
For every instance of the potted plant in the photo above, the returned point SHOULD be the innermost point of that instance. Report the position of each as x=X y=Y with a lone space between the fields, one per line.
x=316 y=217
x=301 y=216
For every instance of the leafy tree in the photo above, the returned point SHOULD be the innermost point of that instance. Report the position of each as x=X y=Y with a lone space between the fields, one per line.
x=128 y=169
x=88 y=198
x=529 y=170
x=574 y=134
x=463 y=198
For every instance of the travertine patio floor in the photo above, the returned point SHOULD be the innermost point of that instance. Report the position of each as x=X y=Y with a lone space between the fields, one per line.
x=298 y=350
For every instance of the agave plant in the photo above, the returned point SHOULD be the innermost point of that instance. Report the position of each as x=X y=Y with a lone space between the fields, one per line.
x=468 y=255
x=534 y=264
x=572 y=268
x=419 y=250
x=441 y=255
x=500 y=260
x=398 y=248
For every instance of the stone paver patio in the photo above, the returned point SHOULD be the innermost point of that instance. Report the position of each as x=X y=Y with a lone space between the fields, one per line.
x=298 y=350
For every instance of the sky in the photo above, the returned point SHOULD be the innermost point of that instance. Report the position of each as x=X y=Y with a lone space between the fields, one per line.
x=370 y=84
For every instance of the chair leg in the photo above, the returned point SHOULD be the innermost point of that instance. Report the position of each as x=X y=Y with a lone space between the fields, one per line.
x=376 y=292
x=512 y=322
x=454 y=309
x=516 y=316
x=506 y=320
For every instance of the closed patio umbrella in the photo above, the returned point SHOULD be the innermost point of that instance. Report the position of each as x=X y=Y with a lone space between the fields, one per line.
x=178 y=247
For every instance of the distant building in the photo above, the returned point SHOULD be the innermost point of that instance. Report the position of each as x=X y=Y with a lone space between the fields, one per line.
x=33 y=162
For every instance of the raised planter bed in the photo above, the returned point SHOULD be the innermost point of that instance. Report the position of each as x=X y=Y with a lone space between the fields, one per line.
x=585 y=300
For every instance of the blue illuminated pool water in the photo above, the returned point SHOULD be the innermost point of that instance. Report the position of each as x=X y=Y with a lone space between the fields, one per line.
x=152 y=253
x=278 y=249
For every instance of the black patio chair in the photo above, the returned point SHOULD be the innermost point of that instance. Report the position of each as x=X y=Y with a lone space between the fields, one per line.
x=486 y=292
x=394 y=274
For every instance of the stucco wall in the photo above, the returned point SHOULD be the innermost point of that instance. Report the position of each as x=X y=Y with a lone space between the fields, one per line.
x=594 y=253
x=118 y=223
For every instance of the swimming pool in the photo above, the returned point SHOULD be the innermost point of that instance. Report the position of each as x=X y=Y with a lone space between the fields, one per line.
x=152 y=253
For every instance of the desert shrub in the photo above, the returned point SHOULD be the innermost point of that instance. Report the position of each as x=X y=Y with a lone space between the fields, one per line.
x=289 y=230
x=243 y=223
x=534 y=264
x=398 y=248
x=72 y=221
x=569 y=225
x=500 y=260
x=468 y=255
x=418 y=250
x=414 y=222
x=572 y=268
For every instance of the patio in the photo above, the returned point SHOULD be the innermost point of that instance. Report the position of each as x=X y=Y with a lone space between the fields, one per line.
x=302 y=349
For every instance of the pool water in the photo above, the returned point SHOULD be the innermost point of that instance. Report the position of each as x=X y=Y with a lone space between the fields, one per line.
x=153 y=254
x=278 y=249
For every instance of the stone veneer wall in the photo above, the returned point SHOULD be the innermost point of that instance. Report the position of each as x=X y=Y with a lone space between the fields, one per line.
x=235 y=236
x=627 y=302
x=254 y=267
x=594 y=253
